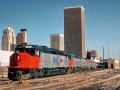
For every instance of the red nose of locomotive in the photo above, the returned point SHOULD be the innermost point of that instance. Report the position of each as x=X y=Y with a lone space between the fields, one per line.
x=24 y=57
x=19 y=60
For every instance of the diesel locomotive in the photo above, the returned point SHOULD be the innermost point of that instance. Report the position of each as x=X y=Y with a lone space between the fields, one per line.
x=34 y=61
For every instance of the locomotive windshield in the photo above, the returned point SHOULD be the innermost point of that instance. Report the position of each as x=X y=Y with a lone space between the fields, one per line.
x=70 y=56
x=28 y=49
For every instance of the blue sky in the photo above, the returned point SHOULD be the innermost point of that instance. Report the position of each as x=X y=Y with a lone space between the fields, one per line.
x=45 y=17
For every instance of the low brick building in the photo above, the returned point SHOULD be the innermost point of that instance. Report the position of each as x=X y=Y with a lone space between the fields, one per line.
x=113 y=64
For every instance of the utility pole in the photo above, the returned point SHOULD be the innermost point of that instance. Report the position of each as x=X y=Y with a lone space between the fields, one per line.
x=108 y=50
x=103 y=57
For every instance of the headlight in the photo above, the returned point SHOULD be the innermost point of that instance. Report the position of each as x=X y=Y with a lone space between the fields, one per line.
x=18 y=57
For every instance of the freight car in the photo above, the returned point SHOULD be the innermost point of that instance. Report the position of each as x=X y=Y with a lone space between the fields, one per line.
x=33 y=61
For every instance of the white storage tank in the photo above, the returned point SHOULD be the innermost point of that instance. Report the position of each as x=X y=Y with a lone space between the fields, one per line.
x=4 y=63
x=4 y=57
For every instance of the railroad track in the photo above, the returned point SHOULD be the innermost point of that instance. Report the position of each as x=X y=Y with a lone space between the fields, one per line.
x=73 y=81
x=45 y=78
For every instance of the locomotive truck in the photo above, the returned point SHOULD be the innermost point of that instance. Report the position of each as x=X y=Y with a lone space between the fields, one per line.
x=33 y=61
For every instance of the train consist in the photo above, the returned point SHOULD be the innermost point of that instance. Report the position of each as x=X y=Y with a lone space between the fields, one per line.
x=33 y=61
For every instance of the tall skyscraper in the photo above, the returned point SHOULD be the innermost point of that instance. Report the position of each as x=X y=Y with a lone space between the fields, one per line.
x=21 y=37
x=57 y=41
x=74 y=30
x=8 y=39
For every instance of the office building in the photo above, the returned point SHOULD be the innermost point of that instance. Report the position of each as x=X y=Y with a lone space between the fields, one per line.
x=74 y=30
x=8 y=39
x=57 y=41
x=21 y=37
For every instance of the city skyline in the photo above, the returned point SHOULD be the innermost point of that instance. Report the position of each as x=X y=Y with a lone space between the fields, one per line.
x=42 y=18
x=10 y=40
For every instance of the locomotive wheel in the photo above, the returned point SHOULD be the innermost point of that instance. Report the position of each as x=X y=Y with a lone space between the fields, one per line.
x=69 y=70
x=91 y=68
x=63 y=71
x=38 y=73
x=33 y=74
x=80 y=69
x=72 y=70
x=42 y=73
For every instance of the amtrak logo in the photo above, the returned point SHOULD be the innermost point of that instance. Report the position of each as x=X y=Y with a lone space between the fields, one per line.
x=57 y=60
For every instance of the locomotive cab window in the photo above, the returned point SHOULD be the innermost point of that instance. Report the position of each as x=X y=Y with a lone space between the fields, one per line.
x=37 y=53
x=53 y=52
x=28 y=49
x=70 y=56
